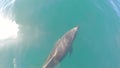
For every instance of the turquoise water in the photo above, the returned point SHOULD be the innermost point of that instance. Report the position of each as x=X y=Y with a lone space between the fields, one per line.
x=43 y=22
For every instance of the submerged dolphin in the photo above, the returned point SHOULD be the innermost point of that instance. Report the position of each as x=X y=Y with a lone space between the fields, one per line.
x=62 y=47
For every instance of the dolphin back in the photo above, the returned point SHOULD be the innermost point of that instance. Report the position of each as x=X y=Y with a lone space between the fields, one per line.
x=62 y=47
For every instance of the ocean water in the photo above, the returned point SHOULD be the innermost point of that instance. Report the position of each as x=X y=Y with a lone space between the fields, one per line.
x=43 y=22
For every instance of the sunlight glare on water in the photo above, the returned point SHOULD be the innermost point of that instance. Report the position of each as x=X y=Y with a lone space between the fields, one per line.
x=8 y=27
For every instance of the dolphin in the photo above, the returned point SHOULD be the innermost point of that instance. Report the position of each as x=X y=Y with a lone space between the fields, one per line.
x=62 y=47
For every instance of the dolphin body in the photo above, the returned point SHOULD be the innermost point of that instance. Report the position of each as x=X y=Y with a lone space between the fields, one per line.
x=62 y=47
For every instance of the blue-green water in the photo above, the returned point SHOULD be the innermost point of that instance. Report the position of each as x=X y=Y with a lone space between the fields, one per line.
x=43 y=22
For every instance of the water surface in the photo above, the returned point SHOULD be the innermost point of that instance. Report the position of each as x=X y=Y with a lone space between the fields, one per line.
x=43 y=22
